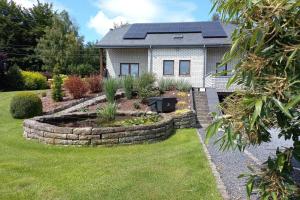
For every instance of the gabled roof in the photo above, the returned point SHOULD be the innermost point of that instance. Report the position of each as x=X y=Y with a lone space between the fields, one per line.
x=185 y=34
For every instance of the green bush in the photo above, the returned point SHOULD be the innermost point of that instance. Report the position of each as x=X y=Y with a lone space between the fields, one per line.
x=14 y=80
x=128 y=82
x=183 y=86
x=145 y=86
x=26 y=105
x=146 y=80
x=82 y=70
x=34 y=80
x=166 y=84
x=110 y=88
x=107 y=113
x=57 y=94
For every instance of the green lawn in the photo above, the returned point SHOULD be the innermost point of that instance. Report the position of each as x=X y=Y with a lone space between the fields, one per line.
x=174 y=169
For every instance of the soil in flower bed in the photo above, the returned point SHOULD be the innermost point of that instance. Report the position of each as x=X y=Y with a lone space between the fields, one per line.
x=124 y=104
x=96 y=122
x=49 y=104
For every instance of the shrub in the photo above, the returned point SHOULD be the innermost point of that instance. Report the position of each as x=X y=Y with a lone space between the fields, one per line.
x=183 y=86
x=107 y=113
x=145 y=93
x=34 y=80
x=44 y=94
x=110 y=89
x=14 y=79
x=82 y=69
x=146 y=80
x=145 y=85
x=94 y=83
x=26 y=105
x=136 y=105
x=76 y=87
x=166 y=84
x=57 y=94
x=128 y=82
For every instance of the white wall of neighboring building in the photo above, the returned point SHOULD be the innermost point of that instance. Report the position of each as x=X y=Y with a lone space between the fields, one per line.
x=195 y=55
x=114 y=57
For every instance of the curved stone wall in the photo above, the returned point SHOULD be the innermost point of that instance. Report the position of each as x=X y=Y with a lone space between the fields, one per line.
x=38 y=128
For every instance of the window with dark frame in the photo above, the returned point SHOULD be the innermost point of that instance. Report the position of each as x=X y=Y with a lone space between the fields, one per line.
x=168 y=67
x=184 y=67
x=129 y=69
x=222 y=70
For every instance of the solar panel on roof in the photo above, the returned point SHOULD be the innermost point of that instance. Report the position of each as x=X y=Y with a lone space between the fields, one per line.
x=208 y=29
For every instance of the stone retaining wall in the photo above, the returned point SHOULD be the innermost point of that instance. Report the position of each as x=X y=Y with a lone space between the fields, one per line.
x=37 y=128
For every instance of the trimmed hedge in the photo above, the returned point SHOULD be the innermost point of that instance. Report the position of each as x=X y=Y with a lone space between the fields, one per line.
x=34 y=80
x=26 y=105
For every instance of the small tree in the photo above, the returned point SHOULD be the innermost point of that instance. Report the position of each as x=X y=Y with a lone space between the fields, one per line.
x=57 y=94
x=267 y=42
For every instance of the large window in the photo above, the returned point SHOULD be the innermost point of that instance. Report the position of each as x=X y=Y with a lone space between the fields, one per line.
x=168 y=67
x=129 y=69
x=184 y=67
x=221 y=70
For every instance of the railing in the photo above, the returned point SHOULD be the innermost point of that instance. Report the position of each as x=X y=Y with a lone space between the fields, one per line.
x=219 y=82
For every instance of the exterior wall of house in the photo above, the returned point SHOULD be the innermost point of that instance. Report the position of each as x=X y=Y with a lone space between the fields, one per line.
x=195 y=55
x=214 y=56
x=114 y=57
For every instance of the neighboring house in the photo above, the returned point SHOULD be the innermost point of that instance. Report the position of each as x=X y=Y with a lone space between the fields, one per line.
x=190 y=51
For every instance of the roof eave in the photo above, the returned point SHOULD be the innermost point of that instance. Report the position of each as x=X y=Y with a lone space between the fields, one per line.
x=161 y=46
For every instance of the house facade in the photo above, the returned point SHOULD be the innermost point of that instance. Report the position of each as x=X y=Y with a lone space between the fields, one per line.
x=190 y=51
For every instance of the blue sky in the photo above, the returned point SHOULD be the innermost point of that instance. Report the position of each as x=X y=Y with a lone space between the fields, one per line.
x=95 y=17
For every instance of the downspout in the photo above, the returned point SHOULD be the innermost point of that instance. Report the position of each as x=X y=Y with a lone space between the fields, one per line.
x=204 y=71
x=151 y=59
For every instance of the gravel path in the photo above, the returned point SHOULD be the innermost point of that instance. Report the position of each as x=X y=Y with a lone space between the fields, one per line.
x=231 y=164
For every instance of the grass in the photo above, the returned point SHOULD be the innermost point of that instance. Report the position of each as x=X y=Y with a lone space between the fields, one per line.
x=174 y=169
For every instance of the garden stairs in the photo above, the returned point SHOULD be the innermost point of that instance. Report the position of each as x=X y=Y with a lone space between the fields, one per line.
x=201 y=108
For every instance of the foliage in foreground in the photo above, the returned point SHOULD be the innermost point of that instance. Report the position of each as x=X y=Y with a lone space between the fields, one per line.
x=26 y=105
x=267 y=42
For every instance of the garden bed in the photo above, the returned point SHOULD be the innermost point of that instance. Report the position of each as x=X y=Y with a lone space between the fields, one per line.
x=135 y=104
x=50 y=106
x=52 y=129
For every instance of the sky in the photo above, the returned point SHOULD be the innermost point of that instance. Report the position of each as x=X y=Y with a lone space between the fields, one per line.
x=96 y=17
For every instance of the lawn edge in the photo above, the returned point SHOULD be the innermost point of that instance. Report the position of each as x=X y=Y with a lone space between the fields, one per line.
x=220 y=185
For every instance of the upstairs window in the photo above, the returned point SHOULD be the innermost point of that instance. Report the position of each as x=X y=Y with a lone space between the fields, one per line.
x=129 y=69
x=184 y=67
x=168 y=67
x=221 y=70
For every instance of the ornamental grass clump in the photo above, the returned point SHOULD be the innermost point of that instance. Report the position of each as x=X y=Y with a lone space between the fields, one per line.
x=111 y=86
x=183 y=85
x=107 y=113
x=166 y=84
x=128 y=82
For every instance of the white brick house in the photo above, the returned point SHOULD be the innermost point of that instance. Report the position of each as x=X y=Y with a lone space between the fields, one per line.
x=190 y=51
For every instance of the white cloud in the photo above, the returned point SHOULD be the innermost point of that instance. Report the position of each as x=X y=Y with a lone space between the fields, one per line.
x=31 y=3
x=132 y=11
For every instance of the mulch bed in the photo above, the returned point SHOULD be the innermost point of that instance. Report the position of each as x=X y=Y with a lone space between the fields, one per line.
x=50 y=105
x=128 y=105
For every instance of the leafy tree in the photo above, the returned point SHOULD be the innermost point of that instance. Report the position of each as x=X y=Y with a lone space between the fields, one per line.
x=267 y=42
x=20 y=29
x=61 y=45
